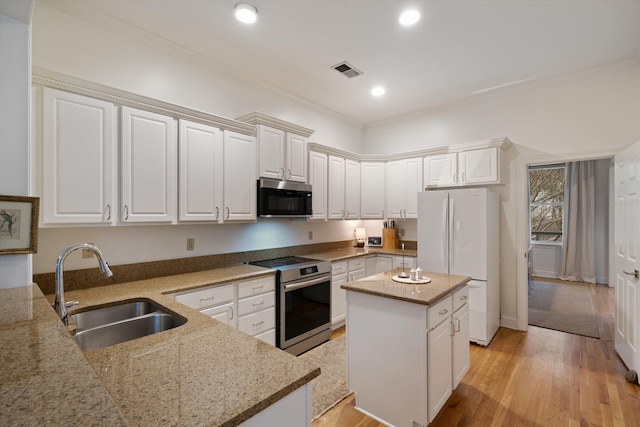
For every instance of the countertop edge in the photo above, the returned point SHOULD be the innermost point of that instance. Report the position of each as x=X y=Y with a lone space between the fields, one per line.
x=353 y=287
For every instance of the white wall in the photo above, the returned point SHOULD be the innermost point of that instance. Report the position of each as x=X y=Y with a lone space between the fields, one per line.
x=89 y=51
x=586 y=115
x=15 y=84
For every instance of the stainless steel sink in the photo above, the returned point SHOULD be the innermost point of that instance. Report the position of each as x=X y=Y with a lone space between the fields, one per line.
x=125 y=321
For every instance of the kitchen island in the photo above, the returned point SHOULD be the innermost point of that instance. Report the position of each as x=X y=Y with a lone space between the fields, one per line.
x=407 y=345
x=201 y=373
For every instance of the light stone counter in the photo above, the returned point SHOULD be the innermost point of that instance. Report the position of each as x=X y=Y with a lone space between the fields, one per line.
x=201 y=373
x=346 y=253
x=428 y=294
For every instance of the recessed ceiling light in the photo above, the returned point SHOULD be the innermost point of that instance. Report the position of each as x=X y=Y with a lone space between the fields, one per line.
x=378 y=91
x=246 y=13
x=409 y=17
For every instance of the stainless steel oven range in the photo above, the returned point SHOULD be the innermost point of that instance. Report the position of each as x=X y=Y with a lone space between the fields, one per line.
x=303 y=302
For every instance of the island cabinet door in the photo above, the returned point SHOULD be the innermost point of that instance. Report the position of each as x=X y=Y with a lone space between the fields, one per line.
x=439 y=367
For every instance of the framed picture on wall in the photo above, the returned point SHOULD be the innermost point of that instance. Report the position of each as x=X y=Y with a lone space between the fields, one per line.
x=19 y=224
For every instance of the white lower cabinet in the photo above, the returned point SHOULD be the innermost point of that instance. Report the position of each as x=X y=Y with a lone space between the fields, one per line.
x=222 y=313
x=293 y=410
x=378 y=264
x=460 y=357
x=434 y=358
x=406 y=262
x=248 y=305
x=356 y=269
x=338 y=278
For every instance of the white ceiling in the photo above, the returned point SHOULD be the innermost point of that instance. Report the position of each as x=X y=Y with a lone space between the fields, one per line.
x=459 y=47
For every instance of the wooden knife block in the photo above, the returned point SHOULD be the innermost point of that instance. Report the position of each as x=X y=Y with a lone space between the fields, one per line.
x=390 y=238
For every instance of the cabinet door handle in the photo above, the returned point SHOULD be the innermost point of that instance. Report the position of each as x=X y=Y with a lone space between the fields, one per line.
x=458 y=324
x=443 y=311
x=463 y=178
x=108 y=212
x=289 y=173
x=452 y=329
x=217 y=212
x=281 y=172
x=126 y=212
x=454 y=177
x=228 y=212
x=463 y=298
x=230 y=313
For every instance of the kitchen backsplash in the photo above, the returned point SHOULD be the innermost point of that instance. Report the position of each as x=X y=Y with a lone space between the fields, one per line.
x=91 y=277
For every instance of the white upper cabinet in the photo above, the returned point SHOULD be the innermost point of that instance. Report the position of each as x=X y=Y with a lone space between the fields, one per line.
x=282 y=147
x=344 y=188
x=78 y=154
x=372 y=192
x=336 y=188
x=271 y=152
x=239 y=177
x=199 y=172
x=148 y=160
x=441 y=170
x=479 y=166
x=318 y=181
x=404 y=181
x=352 y=189
x=467 y=167
x=296 y=163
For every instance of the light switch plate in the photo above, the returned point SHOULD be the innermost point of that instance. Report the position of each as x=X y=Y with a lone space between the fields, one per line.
x=191 y=244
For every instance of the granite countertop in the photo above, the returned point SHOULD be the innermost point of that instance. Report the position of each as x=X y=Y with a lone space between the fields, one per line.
x=427 y=294
x=201 y=373
x=346 y=253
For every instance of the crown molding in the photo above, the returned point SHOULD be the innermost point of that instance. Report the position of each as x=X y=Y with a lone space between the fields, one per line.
x=256 y=118
x=79 y=86
x=503 y=143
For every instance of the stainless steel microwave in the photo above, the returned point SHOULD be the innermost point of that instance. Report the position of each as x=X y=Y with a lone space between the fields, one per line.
x=283 y=198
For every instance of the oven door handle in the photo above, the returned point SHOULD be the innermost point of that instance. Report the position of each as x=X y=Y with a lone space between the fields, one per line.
x=295 y=286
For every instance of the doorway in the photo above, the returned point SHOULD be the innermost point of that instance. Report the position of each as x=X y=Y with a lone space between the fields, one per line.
x=568 y=243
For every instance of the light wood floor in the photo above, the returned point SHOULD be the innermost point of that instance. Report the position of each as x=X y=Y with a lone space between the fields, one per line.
x=535 y=378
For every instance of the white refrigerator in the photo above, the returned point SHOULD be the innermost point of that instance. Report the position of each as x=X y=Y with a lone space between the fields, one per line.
x=458 y=233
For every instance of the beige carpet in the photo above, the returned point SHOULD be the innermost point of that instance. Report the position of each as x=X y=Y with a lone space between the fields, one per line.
x=331 y=386
x=564 y=307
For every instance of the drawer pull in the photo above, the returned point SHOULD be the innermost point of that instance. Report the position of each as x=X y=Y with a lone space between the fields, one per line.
x=443 y=311
x=211 y=298
x=261 y=303
x=260 y=323
x=257 y=288
x=463 y=298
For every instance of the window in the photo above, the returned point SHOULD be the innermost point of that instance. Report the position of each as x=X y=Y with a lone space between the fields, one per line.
x=546 y=203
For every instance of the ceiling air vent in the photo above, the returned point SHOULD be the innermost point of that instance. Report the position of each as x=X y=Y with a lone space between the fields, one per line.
x=347 y=69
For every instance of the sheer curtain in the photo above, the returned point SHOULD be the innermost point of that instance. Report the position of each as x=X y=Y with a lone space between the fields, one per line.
x=578 y=259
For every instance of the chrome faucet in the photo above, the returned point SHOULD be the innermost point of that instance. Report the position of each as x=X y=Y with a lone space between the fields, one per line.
x=59 y=305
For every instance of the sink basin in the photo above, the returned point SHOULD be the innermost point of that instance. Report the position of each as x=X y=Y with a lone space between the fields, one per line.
x=114 y=313
x=122 y=322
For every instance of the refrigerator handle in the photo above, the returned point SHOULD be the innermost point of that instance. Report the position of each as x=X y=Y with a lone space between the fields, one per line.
x=445 y=227
x=452 y=236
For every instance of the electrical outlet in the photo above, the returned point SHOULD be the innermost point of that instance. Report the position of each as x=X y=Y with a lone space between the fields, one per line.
x=86 y=253
x=311 y=235
x=191 y=244
x=401 y=232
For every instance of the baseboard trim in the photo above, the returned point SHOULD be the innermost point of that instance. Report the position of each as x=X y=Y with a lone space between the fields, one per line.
x=509 y=322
